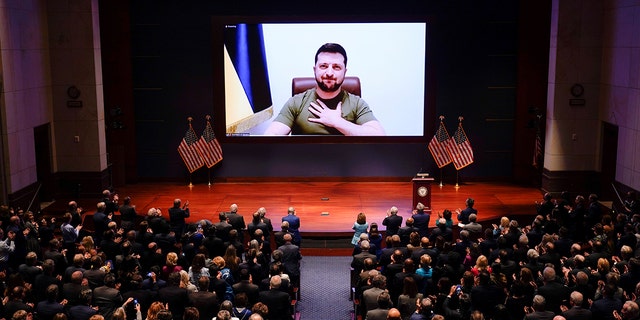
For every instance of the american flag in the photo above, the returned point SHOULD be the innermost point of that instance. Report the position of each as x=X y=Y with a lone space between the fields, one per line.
x=209 y=147
x=437 y=146
x=188 y=151
x=460 y=149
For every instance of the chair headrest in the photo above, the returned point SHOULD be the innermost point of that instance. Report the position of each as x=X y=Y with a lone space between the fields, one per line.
x=302 y=84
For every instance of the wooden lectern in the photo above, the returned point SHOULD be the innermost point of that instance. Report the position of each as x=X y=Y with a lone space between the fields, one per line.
x=422 y=190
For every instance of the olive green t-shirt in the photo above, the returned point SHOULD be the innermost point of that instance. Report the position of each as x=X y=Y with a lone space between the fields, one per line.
x=295 y=112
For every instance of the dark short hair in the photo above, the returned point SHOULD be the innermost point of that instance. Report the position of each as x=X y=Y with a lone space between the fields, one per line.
x=332 y=48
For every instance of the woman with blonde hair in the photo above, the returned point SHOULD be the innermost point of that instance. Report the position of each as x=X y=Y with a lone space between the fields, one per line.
x=185 y=283
x=359 y=227
x=87 y=243
x=502 y=228
x=482 y=264
x=171 y=265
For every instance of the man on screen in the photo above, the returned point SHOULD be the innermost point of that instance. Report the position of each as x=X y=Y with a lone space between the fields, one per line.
x=327 y=108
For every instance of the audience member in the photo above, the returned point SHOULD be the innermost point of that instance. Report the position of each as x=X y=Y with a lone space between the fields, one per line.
x=277 y=301
x=464 y=214
x=294 y=225
x=421 y=219
x=392 y=221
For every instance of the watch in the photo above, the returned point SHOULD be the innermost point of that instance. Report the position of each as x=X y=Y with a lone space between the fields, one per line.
x=423 y=191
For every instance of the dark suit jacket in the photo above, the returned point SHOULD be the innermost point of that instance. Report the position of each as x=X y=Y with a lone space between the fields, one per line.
x=236 y=221
x=358 y=260
x=206 y=302
x=47 y=309
x=603 y=308
x=291 y=259
x=393 y=223
x=176 y=297
x=577 y=313
x=177 y=219
x=539 y=315
x=278 y=302
x=554 y=293
x=222 y=230
x=82 y=312
x=421 y=221
x=250 y=289
x=128 y=217
x=445 y=232
x=107 y=299
x=405 y=233
x=377 y=314
x=71 y=292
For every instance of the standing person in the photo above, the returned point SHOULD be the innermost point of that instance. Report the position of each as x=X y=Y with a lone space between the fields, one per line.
x=236 y=221
x=545 y=207
x=421 y=220
x=327 y=108
x=359 y=227
x=463 y=215
x=375 y=238
x=128 y=215
x=291 y=259
x=278 y=302
x=294 y=225
x=177 y=216
x=392 y=221
x=69 y=234
x=7 y=247
x=107 y=297
x=76 y=213
x=111 y=203
x=267 y=221
x=223 y=227
x=100 y=221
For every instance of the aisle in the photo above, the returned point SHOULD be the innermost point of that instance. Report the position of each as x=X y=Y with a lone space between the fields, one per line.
x=324 y=288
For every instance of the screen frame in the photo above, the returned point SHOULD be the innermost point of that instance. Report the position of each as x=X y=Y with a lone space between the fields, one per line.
x=218 y=89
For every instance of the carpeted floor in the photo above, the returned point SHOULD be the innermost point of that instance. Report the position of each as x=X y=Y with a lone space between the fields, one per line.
x=324 y=288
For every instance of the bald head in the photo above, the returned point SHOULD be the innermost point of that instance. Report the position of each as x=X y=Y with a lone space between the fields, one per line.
x=394 y=314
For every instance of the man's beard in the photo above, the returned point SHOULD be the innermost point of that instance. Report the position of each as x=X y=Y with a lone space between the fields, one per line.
x=336 y=85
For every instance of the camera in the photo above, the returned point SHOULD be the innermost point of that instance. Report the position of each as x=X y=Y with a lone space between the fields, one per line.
x=149 y=274
x=135 y=302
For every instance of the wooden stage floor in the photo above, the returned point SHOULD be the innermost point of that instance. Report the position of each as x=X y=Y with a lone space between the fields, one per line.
x=328 y=207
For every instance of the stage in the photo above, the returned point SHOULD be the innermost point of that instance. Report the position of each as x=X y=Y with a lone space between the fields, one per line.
x=324 y=207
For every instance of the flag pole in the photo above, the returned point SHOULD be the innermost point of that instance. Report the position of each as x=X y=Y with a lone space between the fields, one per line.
x=209 y=176
x=190 y=173
x=457 y=185
x=441 y=178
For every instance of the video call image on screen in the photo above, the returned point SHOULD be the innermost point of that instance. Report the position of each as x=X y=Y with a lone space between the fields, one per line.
x=261 y=59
